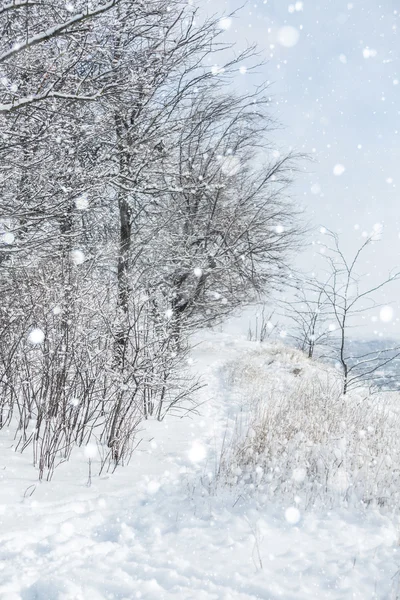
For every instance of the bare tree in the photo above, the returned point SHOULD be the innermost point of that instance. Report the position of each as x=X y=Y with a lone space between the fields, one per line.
x=309 y=310
x=263 y=327
x=230 y=229
x=330 y=311
x=139 y=200
x=41 y=45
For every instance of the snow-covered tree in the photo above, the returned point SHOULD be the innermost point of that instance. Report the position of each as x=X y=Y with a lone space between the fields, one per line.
x=140 y=200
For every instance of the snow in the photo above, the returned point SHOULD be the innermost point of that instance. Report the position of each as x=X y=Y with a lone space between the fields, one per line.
x=197 y=452
x=230 y=166
x=292 y=515
x=377 y=231
x=77 y=257
x=155 y=529
x=90 y=451
x=225 y=23
x=82 y=202
x=386 y=314
x=288 y=36
x=217 y=70
x=369 y=52
x=54 y=31
x=299 y=474
x=8 y=238
x=198 y=272
x=295 y=7
x=36 y=336
x=338 y=170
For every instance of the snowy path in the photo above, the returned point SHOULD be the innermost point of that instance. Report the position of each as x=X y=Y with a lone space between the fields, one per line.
x=151 y=530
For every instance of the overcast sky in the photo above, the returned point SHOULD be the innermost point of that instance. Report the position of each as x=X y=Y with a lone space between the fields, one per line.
x=335 y=74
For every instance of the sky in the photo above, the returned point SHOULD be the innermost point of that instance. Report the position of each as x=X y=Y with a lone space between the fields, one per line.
x=335 y=82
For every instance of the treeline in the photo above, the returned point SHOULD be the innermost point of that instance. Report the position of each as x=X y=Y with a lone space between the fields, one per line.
x=140 y=200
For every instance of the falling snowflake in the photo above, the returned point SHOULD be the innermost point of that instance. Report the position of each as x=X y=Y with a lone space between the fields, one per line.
x=338 y=170
x=36 y=336
x=8 y=238
x=90 y=451
x=197 y=452
x=292 y=515
x=377 y=231
x=225 y=23
x=197 y=272
x=295 y=7
x=369 y=52
x=288 y=36
x=82 y=202
x=386 y=314
x=77 y=257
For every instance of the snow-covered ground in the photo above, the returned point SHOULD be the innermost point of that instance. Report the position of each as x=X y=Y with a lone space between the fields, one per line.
x=158 y=529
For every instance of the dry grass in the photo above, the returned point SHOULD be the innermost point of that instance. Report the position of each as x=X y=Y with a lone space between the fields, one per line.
x=300 y=440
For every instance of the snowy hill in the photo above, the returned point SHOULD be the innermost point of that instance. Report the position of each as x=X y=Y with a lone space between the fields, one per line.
x=199 y=514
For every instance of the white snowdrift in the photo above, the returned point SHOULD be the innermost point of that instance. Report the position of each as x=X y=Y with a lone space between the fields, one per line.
x=154 y=531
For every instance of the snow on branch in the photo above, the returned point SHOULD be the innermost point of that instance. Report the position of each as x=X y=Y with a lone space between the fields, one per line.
x=33 y=99
x=56 y=30
x=16 y=4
